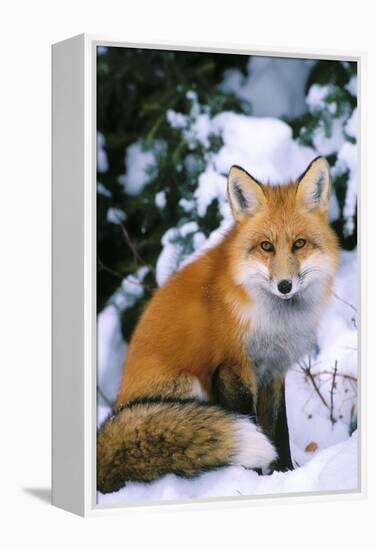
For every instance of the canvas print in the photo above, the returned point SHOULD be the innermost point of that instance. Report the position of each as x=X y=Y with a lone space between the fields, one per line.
x=227 y=284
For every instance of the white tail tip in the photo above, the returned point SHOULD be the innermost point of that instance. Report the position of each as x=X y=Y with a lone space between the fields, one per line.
x=254 y=449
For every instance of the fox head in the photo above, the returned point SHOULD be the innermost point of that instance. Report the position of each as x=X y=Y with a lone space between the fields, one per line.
x=283 y=242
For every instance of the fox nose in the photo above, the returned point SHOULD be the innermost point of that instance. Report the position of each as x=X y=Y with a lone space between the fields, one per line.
x=284 y=286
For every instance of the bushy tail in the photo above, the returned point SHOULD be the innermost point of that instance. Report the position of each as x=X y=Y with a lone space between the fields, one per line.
x=149 y=438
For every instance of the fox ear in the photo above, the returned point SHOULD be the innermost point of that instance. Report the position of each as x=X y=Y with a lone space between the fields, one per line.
x=314 y=186
x=245 y=193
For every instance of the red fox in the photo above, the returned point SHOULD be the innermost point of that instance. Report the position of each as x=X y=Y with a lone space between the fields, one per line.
x=203 y=382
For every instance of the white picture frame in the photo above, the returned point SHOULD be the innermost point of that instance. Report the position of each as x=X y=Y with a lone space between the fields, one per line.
x=74 y=273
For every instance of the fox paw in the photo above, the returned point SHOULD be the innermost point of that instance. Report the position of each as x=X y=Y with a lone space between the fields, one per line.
x=253 y=448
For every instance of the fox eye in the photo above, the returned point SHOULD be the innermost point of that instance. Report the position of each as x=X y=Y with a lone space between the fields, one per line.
x=267 y=246
x=298 y=244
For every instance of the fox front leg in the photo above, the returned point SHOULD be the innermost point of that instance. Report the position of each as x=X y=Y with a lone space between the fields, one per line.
x=272 y=417
x=234 y=388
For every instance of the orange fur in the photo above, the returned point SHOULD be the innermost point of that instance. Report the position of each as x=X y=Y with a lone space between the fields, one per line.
x=199 y=318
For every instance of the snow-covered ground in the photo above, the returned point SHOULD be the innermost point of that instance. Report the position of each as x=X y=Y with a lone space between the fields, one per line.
x=333 y=469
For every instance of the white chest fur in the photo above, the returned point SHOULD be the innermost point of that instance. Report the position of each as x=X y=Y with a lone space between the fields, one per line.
x=281 y=332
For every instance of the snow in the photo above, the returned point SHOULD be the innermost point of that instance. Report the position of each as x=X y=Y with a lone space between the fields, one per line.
x=351 y=127
x=274 y=87
x=317 y=95
x=168 y=259
x=176 y=241
x=176 y=120
x=334 y=209
x=352 y=86
x=211 y=186
x=325 y=140
x=199 y=127
x=130 y=290
x=132 y=286
x=187 y=204
x=115 y=215
x=347 y=160
x=333 y=469
x=322 y=101
x=328 y=143
x=102 y=190
x=263 y=146
x=199 y=131
x=111 y=347
x=111 y=353
x=187 y=228
x=102 y=162
x=160 y=200
x=196 y=126
x=140 y=163
x=338 y=138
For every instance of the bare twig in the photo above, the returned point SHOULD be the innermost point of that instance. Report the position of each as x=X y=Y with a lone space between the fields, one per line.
x=307 y=371
x=128 y=240
x=345 y=302
x=351 y=382
x=136 y=255
x=354 y=320
x=309 y=415
x=332 y=419
x=346 y=376
x=325 y=377
x=103 y=267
